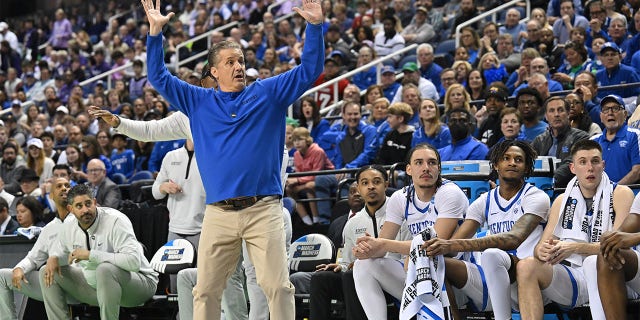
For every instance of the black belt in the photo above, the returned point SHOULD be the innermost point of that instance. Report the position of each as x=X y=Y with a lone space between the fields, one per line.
x=239 y=203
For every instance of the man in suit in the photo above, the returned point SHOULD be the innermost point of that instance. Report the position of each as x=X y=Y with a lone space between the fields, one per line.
x=7 y=224
x=105 y=191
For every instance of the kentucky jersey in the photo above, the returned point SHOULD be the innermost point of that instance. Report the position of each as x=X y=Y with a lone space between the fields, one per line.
x=449 y=201
x=501 y=214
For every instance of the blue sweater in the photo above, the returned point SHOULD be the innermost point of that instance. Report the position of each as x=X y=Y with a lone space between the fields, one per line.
x=239 y=155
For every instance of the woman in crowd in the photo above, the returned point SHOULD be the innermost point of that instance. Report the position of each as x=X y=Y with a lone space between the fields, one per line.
x=104 y=140
x=37 y=161
x=431 y=130
x=310 y=118
x=29 y=212
x=470 y=40
x=91 y=150
x=576 y=61
x=462 y=69
x=457 y=97
x=492 y=69
x=476 y=85
x=579 y=118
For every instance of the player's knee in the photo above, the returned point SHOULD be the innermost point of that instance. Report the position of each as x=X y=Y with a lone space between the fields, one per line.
x=495 y=257
x=527 y=268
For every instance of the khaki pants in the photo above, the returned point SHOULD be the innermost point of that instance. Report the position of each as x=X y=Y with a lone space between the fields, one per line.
x=262 y=228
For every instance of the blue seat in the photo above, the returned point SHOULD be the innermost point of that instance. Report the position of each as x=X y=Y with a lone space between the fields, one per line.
x=446 y=46
x=119 y=178
x=142 y=175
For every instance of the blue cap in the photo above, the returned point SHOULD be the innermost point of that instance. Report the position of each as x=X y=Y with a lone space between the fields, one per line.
x=386 y=69
x=612 y=97
x=610 y=46
x=336 y=53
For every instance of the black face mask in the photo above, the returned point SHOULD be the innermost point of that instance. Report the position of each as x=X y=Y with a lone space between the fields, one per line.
x=458 y=131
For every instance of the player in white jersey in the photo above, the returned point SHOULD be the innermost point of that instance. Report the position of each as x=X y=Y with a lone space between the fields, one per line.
x=617 y=266
x=514 y=212
x=426 y=202
x=591 y=204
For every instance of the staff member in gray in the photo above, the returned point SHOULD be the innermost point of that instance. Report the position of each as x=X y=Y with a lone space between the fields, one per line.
x=112 y=269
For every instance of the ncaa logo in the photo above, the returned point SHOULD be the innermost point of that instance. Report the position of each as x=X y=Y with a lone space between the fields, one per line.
x=623 y=143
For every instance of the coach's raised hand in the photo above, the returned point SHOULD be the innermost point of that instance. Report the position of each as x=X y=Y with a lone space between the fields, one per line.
x=156 y=19
x=311 y=11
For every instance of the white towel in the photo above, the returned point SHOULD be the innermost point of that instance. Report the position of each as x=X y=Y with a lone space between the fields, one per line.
x=577 y=223
x=30 y=232
x=423 y=295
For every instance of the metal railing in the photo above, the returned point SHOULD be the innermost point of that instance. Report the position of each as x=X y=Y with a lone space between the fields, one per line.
x=334 y=82
x=492 y=13
x=178 y=63
x=106 y=75
x=275 y=4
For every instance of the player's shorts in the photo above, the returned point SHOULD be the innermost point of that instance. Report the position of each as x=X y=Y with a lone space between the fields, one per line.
x=568 y=287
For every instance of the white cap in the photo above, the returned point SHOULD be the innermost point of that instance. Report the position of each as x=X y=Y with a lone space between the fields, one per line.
x=62 y=109
x=35 y=142
x=253 y=73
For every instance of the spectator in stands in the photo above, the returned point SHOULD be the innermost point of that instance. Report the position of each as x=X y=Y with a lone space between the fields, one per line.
x=419 y=30
x=633 y=44
x=8 y=226
x=367 y=77
x=617 y=31
x=431 y=130
x=447 y=78
x=333 y=39
x=62 y=31
x=413 y=76
x=489 y=39
x=513 y=27
x=11 y=168
x=470 y=40
x=492 y=69
x=619 y=144
x=529 y=103
x=29 y=212
x=468 y=10
x=308 y=157
x=578 y=116
x=521 y=74
x=577 y=60
x=379 y=111
x=75 y=160
x=138 y=81
x=569 y=19
x=108 y=277
x=510 y=124
x=352 y=147
x=23 y=277
x=389 y=40
x=615 y=72
x=105 y=142
x=325 y=96
x=555 y=12
x=476 y=85
x=388 y=82
x=489 y=130
x=455 y=98
x=540 y=65
x=310 y=118
x=428 y=69
x=410 y=95
x=617 y=270
x=558 y=139
x=106 y=192
x=91 y=150
x=37 y=161
x=545 y=276
x=336 y=280
x=463 y=146
x=514 y=163
x=426 y=202
x=397 y=143
x=122 y=158
x=532 y=34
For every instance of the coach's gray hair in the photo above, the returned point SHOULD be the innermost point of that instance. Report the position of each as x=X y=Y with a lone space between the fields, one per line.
x=214 y=52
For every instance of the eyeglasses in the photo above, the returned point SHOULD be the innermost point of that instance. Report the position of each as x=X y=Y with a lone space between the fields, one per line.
x=573 y=103
x=612 y=109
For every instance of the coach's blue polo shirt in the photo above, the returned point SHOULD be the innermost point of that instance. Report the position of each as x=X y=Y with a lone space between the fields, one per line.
x=620 y=154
